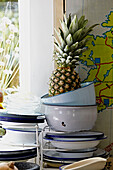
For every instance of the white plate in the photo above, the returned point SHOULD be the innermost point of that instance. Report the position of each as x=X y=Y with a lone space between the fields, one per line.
x=69 y=144
x=76 y=135
x=13 y=153
x=68 y=155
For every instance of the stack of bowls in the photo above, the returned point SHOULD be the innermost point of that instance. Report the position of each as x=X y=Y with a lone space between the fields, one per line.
x=71 y=117
x=71 y=111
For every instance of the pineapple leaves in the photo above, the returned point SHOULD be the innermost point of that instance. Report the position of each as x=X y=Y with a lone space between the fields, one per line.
x=69 y=21
x=64 y=29
x=71 y=41
x=83 y=42
x=58 y=48
x=60 y=39
x=74 y=25
x=81 y=21
x=77 y=35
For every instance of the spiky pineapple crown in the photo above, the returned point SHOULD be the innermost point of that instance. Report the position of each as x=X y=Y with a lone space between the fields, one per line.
x=72 y=40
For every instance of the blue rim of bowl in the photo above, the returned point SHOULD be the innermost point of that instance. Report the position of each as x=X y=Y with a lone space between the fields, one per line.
x=66 y=105
x=89 y=83
x=53 y=139
x=84 y=134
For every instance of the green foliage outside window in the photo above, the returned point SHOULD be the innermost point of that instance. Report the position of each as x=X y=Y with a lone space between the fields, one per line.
x=9 y=45
x=8 y=0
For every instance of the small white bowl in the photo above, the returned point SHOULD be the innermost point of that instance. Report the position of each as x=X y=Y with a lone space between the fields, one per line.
x=71 y=118
x=81 y=96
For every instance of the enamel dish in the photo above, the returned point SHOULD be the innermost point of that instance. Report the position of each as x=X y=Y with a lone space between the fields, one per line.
x=81 y=96
x=19 y=118
x=70 y=118
x=20 y=135
x=85 y=135
x=13 y=153
x=70 y=155
x=75 y=144
x=54 y=161
x=96 y=163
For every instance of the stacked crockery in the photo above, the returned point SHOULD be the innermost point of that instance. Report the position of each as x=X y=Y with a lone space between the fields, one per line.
x=70 y=105
x=72 y=111
x=20 y=119
x=71 y=126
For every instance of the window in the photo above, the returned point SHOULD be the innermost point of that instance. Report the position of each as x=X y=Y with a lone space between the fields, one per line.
x=9 y=44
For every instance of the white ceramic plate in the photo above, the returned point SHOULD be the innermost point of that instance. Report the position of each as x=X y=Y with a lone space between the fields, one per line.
x=13 y=153
x=63 y=156
x=75 y=135
x=69 y=144
x=68 y=155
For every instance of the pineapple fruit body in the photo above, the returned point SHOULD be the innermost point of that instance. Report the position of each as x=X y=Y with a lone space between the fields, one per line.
x=70 y=46
x=63 y=79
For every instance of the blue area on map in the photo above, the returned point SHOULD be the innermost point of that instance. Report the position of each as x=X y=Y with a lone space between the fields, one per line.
x=105 y=75
x=93 y=43
x=90 y=55
x=97 y=60
x=106 y=102
x=112 y=55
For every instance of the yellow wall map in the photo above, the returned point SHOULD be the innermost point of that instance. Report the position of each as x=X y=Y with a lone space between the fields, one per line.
x=99 y=62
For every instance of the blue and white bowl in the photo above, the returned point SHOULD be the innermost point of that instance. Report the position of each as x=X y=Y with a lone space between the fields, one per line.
x=70 y=118
x=81 y=96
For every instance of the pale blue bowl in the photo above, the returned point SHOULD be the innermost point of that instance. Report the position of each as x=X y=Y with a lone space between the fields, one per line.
x=82 y=96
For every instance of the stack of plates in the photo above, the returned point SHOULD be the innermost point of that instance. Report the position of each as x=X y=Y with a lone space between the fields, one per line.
x=56 y=159
x=71 y=147
x=20 y=128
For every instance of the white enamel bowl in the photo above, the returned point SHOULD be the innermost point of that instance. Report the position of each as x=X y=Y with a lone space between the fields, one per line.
x=70 y=118
x=80 y=144
x=82 y=96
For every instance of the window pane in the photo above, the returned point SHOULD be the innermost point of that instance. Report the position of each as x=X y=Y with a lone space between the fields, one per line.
x=9 y=45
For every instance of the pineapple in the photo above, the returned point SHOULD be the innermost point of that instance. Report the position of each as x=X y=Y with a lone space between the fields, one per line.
x=69 y=49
